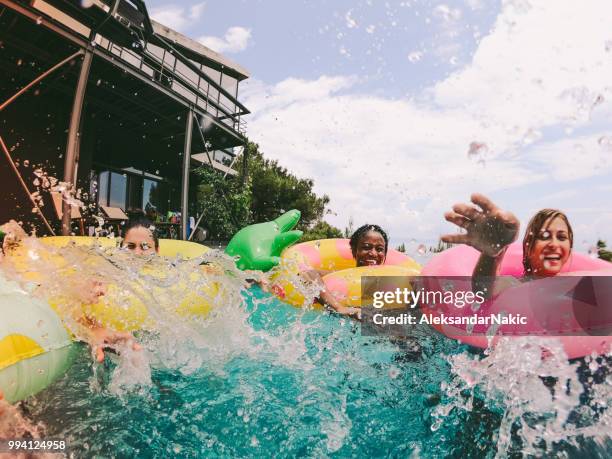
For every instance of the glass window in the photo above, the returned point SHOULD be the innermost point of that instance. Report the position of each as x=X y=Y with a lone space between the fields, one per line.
x=227 y=104
x=187 y=73
x=118 y=190
x=230 y=84
x=212 y=73
x=134 y=192
x=156 y=51
x=155 y=196
x=103 y=188
x=174 y=203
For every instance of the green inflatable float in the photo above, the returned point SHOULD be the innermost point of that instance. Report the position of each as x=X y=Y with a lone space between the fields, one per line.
x=259 y=246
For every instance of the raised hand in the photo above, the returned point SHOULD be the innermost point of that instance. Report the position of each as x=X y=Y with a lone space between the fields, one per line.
x=489 y=229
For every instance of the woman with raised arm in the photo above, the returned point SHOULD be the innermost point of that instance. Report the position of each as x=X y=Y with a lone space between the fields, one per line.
x=547 y=244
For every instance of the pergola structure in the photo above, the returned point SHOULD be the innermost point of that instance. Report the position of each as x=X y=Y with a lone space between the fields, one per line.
x=110 y=98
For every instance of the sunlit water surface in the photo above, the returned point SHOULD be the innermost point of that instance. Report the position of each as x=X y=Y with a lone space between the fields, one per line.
x=260 y=378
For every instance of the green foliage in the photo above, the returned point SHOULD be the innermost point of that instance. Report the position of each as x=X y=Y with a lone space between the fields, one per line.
x=275 y=190
x=442 y=246
x=602 y=251
x=269 y=190
x=322 y=230
x=350 y=229
x=401 y=248
x=225 y=203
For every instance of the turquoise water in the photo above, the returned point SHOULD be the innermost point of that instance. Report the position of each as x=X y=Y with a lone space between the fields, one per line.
x=285 y=382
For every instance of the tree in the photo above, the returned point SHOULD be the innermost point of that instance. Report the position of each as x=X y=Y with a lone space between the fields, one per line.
x=350 y=229
x=322 y=230
x=401 y=248
x=442 y=246
x=225 y=203
x=267 y=191
x=275 y=190
x=602 y=251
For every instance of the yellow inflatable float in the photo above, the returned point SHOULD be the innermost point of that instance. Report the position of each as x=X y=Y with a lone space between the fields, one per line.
x=343 y=278
x=35 y=345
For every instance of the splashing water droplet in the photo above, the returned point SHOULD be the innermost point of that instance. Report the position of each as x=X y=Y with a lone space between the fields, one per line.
x=531 y=136
x=415 y=56
x=393 y=372
x=477 y=150
x=605 y=142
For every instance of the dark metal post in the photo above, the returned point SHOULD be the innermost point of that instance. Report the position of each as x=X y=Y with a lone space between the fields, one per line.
x=245 y=163
x=71 y=163
x=186 y=167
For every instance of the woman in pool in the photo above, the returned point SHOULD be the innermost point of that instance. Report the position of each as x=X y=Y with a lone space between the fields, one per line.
x=547 y=244
x=141 y=237
x=369 y=245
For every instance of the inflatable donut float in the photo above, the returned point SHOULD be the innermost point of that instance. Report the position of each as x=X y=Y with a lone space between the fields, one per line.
x=35 y=343
x=334 y=260
x=574 y=307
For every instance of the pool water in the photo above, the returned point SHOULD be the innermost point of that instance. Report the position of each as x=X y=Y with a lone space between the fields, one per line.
x=281 y=381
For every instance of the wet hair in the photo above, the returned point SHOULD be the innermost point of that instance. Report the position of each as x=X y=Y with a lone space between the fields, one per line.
x=536 y=224
x=362 y=230
x=144 y=223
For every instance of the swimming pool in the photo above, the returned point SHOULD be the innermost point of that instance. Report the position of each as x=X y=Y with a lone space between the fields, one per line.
x=271 y=380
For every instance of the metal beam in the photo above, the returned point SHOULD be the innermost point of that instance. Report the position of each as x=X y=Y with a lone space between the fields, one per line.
x=71 y=163
x=186 y=167
x=245 y=163
x=25 y=187
x=39 y=78
x=83 y=43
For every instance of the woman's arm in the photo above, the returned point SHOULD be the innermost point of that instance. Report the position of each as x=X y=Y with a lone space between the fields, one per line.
x=485 y=274
x=99 y=337
x=328 y=299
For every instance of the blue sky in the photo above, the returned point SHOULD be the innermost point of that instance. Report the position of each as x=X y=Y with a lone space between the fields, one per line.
x=372 y=39
x=398 y=109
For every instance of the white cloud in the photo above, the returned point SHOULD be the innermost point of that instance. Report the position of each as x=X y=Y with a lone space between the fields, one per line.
x=236 y=39
x=543 y=64
x=402 y=163
x=178 y=17
x=446 y=13
x=475 y=4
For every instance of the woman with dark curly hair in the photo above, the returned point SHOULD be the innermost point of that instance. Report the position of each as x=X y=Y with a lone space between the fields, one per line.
x=369 y=245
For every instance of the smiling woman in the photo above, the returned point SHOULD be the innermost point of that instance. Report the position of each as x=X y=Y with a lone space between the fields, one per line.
x=369 y=245
x=547 y=244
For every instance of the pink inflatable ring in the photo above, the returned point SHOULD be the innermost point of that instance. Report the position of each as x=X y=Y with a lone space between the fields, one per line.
x=574 y=307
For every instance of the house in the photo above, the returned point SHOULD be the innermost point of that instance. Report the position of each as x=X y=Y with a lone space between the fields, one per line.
x=96 y=94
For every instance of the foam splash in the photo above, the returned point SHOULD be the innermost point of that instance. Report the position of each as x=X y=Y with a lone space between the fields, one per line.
x=546 y=402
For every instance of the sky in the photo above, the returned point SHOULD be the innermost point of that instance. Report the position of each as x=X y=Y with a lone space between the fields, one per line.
x=399 y=109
